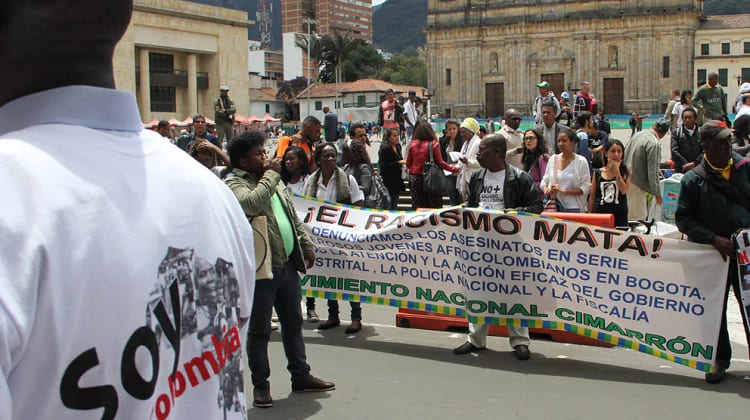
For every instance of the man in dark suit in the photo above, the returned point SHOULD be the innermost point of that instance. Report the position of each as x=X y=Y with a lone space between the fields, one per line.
x=330 y=125
x=549 y=128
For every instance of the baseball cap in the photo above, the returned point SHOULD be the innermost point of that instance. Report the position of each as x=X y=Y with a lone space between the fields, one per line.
x=745 y=88
x=566 y=95
x=543 y=84
x=224 y=88
x=662 y=124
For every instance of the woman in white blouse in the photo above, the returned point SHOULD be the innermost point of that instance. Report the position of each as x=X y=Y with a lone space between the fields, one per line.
x=567 y=176
x=295 y=169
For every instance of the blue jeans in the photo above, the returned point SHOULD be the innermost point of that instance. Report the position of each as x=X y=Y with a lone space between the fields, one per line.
x=283 y=293
x=333 y=310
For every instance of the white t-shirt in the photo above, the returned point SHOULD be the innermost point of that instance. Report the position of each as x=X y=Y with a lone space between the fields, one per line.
x=566 y=179
x=328 y=193
x=744 y=110
x=110 y=265
x=299 y=187
x=491 y=196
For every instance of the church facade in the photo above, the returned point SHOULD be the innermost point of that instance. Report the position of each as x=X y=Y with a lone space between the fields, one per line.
x=484 y=56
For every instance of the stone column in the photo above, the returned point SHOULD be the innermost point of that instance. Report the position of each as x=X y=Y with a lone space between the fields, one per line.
x=144 y=90
x=192 y=85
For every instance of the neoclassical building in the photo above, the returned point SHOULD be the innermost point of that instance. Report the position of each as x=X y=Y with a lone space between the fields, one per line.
x=176 y=54
x=484 y=56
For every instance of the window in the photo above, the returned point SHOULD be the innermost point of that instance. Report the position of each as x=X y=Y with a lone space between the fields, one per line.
x=268 y=108
x=746 y=74
x=725 y=48
x=361 y=101
x=318 y=105
x=704 y=49
x=723 y=77
x=160 y=63
x=747 y=47
x=665 y=67
x=447 y=77
x=338 y=105
x=162 y=99
x=701 y=76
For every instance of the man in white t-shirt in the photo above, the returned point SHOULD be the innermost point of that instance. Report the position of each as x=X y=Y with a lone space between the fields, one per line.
x=117 y=299
x=410 y=114
x=500 y=187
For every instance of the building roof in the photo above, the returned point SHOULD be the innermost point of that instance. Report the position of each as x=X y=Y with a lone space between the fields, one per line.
x=328 y=90
x=262 y=95
x=726 y=22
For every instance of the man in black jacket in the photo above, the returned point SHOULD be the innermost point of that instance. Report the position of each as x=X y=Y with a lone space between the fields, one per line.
x=713 y=205
x=501 y=187
x=686 y=146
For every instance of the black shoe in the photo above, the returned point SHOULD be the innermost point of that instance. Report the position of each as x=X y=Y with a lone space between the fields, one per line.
x=467 y=348
x=717 y=375
x=354 y=327
x=521 y=352
x=330 y=323
x=262 y=397
x=310 y=383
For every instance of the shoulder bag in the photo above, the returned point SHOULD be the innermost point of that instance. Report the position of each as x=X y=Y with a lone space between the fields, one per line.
x=434 y=180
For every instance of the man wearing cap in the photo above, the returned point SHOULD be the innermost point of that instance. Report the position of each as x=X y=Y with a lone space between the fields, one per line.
x=410 y=114
x=566 y=113
x=469 y=131
x=642 y=155
x=713 y=205
x=744 y=89
x=224 y=114
x=544 y=93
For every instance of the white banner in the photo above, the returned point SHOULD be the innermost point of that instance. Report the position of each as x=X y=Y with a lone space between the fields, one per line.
x=653 y=295
x=743 y=265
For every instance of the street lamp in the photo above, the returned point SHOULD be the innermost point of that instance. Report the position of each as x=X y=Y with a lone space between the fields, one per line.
x=309 y=23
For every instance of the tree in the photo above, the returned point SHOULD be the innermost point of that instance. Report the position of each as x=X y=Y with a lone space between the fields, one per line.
x=404 y=70
x=362 y=63
x=287 y=94
x=337 y=48
x=317 y=52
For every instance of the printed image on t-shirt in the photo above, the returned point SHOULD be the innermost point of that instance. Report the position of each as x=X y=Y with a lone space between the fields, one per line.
x=610 y=192
x=209 y=311
x=491 y=196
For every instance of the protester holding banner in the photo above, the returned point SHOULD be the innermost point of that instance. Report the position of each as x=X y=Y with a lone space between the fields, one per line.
x=331 y=183
x=257 y=184
x=609 y=185
x=714 y=203
x=500 y=187
x=567 y=179
x=423 y=139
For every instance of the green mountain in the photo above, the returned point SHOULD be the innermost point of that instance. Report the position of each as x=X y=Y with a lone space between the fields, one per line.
x=398 y=24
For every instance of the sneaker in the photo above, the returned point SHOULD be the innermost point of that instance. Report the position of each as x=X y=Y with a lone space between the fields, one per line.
x=521 y=352
x=717 y=375
x=466 y=348
x=312 y=316
x=310 y=383
x=274 y=326
x=262 y=397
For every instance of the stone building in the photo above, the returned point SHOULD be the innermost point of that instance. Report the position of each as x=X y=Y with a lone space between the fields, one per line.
x=175 y=55
x=487 y=55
